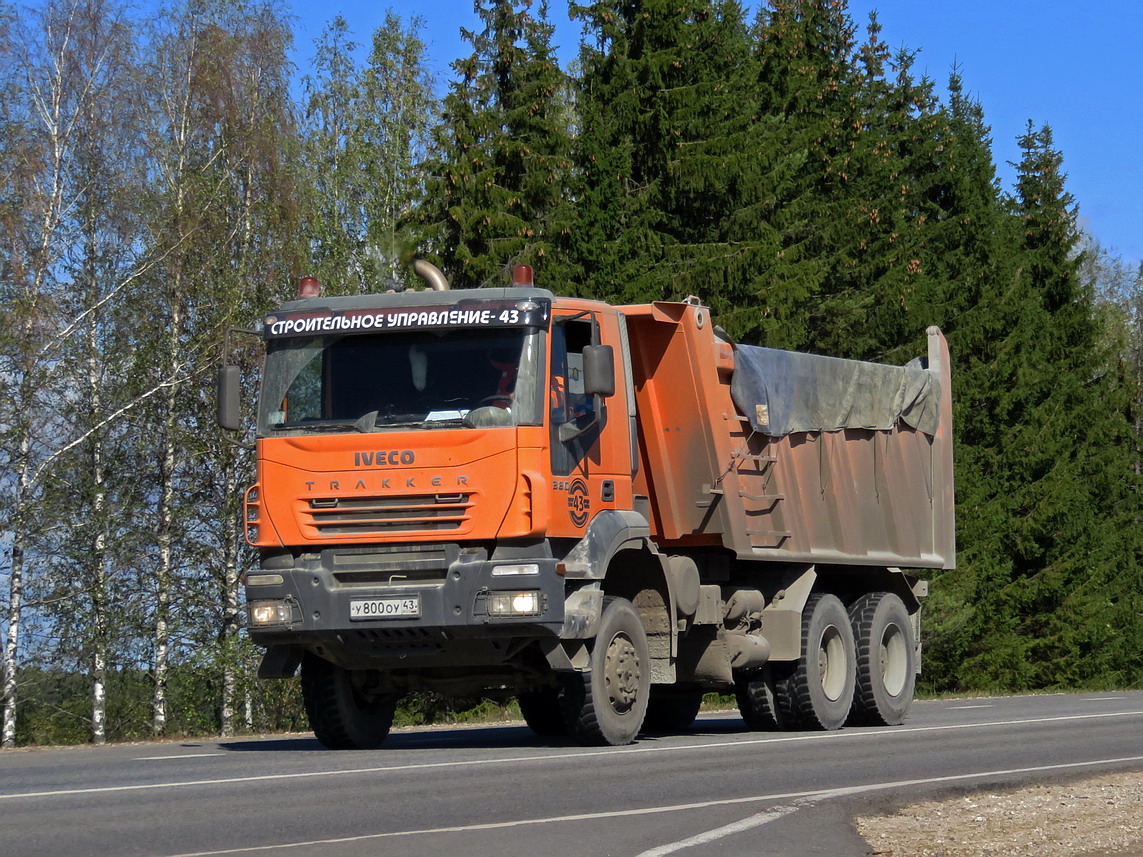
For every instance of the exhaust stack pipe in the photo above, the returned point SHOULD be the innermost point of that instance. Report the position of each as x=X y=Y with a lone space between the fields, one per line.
x=431 y=274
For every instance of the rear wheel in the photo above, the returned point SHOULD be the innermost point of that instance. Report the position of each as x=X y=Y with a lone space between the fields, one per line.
x=819 y=691
x=347 y=709
x=886 y=660
x=607 y=704
x=758 y=700
x=541 y=711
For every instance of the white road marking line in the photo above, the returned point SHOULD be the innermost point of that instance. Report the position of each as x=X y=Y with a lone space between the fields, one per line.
x=843 y=735
x=176 y=756
x=1101 y=699
x=803 y=798
x=745 y=824
x=967 y=707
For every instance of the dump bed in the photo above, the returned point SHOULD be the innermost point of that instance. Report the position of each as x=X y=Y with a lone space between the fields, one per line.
x=782 y=456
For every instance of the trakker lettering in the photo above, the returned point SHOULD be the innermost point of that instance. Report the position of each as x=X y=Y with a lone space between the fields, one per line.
x=466 y=314
x=392 y=483
x=381 y=458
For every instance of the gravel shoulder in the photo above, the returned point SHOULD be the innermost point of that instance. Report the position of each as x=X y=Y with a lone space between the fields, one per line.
x=1083 y=818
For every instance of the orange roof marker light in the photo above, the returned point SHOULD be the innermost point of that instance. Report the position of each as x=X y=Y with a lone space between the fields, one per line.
x=309 y=287
x=522 y=275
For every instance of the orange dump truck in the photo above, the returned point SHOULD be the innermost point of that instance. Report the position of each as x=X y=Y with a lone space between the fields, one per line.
x=605 y=511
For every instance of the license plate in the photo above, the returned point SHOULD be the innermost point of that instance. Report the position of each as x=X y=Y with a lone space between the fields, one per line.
x=385 y=608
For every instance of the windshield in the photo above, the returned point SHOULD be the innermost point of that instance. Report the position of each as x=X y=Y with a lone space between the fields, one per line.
x=418 y=379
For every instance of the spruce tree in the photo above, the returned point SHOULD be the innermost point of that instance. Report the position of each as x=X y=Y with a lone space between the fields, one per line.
x=496 y=187
x=808 y=84
x=867 y=306
x=963 y=240
x=691 y=170
x=621 y=149
x=719 y=249
x=1045 y=476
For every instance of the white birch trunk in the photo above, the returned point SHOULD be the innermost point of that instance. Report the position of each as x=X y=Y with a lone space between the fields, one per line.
x=166 y=514
x=98 y=558
x=181 y=125
x=15 y=597
x=230 y=613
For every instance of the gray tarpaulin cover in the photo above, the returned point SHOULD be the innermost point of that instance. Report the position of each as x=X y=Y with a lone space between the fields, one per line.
x=783 y=392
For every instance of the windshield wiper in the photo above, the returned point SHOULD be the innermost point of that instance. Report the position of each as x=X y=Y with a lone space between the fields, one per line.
x=367 y=423
x=452 y=422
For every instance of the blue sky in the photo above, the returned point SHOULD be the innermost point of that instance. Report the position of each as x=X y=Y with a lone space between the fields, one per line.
x=1074 y=66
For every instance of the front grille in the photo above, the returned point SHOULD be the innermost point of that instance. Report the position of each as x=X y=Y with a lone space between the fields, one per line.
x=358 y=516
x=392 y=578
x=388 y=564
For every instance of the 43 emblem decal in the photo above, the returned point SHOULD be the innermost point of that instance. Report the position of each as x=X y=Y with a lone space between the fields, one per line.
x=578 y=502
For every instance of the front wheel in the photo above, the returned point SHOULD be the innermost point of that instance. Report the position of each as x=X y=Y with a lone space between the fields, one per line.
x=347 y=709
x=607 y=704
x=670 y=710
x=541 y=711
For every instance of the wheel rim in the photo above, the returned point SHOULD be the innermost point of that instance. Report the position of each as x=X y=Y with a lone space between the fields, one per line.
x=621 y=673
x=894 y=660
x=831 y=663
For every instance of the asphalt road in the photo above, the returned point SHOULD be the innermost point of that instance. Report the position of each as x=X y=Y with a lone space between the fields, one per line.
x=479 y=792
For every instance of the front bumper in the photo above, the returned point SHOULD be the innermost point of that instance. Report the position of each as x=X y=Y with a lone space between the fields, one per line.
x=454 y=586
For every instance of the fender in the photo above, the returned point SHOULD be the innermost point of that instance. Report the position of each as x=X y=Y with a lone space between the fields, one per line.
x=782 y=617
x=586 y=565
x=609 y=532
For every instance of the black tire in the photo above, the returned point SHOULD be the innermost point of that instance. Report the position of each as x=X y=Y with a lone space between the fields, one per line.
x=758 y=700
x=886 y=660
x=607 y=704
x=819 y=691
x=670 y=710
x=542 y=712
x=346 y=708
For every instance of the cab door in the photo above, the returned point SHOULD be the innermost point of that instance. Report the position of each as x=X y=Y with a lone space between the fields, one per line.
x=590 y=435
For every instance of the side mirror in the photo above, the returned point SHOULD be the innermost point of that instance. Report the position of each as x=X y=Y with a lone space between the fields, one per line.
x=229 y=394
x=599 y=370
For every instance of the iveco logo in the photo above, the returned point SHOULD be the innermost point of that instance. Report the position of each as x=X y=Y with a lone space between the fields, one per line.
x=381 y=458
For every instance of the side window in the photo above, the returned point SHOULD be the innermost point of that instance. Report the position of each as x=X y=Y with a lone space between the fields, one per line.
x=567 y=401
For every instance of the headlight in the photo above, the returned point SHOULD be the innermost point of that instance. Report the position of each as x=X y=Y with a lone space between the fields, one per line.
x=266 y=613
x=515 y=604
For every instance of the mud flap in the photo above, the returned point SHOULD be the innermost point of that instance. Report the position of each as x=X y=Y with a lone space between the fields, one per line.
x=567 y=655
x=280 y=662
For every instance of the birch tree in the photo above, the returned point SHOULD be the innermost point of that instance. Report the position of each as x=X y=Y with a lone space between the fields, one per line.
x=44 y=110
x=256 y=265
x=222 y=154
x=181 y=156
x=69 y=259
x=99 y=266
